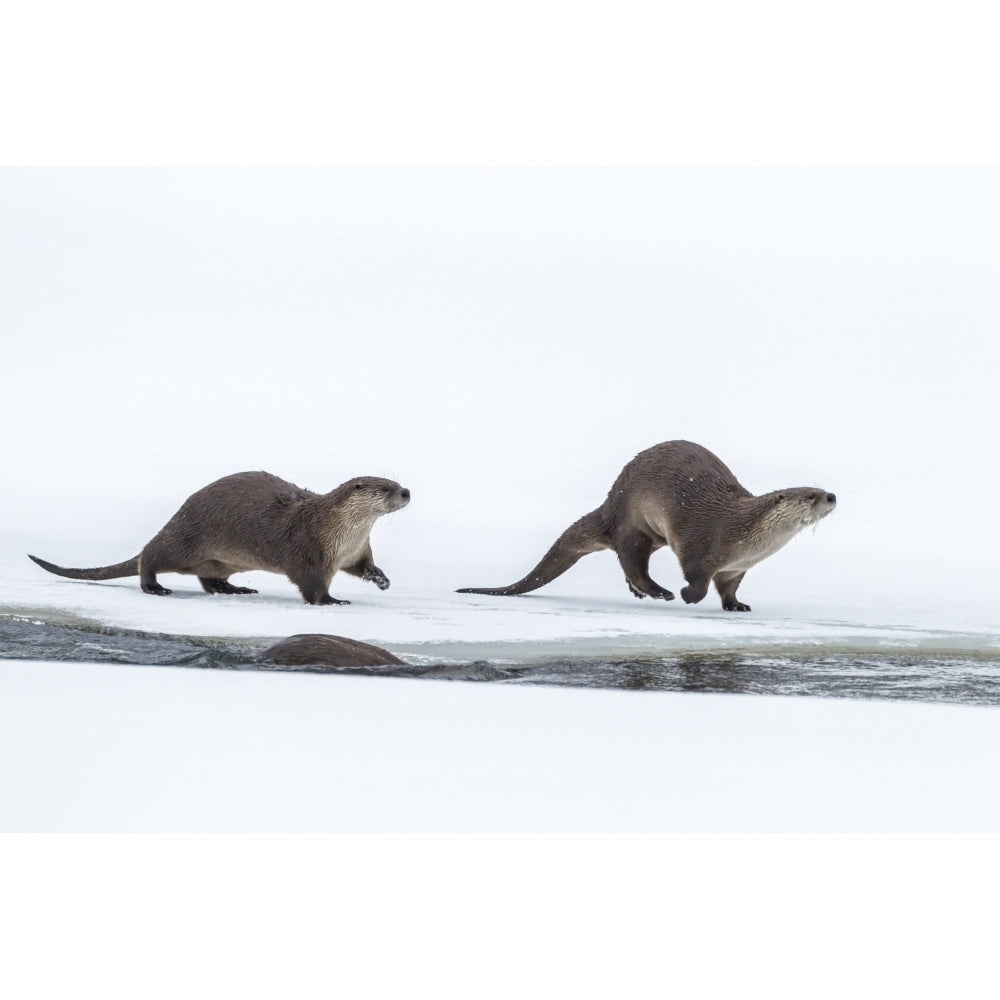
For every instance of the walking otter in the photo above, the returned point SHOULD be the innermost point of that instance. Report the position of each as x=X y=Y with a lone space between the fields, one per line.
x=680 y=494
x=256 y=521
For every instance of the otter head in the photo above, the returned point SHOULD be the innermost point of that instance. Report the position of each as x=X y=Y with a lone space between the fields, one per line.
x=798 y=508
x=776 y=518
x=371 y=496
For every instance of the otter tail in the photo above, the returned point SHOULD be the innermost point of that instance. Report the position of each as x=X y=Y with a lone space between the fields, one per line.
x=579 y=539
x=128 y=568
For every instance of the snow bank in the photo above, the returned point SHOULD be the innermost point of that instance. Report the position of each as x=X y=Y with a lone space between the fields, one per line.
x=93 y=747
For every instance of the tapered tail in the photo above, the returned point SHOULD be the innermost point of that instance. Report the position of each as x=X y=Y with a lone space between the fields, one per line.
x=128 y=568
x=579 y=539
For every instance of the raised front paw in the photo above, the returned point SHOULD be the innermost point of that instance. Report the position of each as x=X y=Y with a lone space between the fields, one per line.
x=376 y=576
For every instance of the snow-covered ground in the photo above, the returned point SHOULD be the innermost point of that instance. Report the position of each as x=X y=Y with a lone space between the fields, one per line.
x=501 y=342
x=589 y=611
x=98 y=747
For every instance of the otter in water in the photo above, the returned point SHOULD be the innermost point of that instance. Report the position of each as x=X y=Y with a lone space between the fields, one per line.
x=332 y=650
x=680 y=494
x=256 y=521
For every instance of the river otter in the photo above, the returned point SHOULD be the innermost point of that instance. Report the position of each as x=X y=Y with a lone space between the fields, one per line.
x=332 y=650
x=680 y=494
x=256 y=521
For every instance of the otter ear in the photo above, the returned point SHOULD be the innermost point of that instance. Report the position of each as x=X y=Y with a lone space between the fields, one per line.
x=781 y=496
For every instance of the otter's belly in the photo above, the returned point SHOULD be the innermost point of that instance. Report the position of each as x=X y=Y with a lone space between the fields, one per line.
x=230 y=559
x=742 y=563
x=225 y=568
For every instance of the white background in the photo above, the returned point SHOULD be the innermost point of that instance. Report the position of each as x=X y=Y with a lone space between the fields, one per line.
x=719 y=83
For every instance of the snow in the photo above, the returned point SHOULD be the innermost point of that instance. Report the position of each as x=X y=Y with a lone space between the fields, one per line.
x=95 y=747
x=588 y=611
x=501 y=342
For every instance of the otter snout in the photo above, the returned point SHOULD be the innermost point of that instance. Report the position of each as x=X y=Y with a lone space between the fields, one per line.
x=823 y=504
x=402 y=498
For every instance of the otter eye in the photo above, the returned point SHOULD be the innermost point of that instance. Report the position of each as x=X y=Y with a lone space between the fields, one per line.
x=812 y=496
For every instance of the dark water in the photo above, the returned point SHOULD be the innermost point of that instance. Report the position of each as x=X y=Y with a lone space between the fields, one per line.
x=958 y=678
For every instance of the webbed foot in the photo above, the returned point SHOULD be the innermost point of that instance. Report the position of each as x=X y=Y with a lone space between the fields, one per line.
x=216 y=585
x=655 y=591
x=326 y=599
x=377 y=577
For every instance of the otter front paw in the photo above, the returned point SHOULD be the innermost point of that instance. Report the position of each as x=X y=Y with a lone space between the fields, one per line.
x=377 y=577
x=692 y=595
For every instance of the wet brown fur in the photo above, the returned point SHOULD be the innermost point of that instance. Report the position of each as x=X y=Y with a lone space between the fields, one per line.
x=256 y=521
x=679 y=494
x=332 y=650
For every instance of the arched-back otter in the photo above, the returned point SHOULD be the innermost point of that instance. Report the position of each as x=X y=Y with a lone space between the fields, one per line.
x=256 y=521
x=680 y=494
